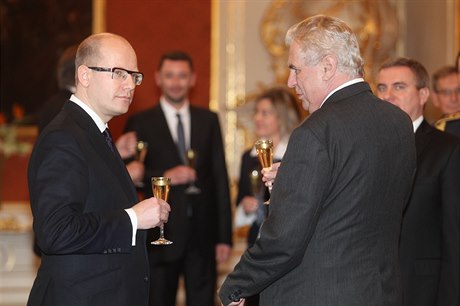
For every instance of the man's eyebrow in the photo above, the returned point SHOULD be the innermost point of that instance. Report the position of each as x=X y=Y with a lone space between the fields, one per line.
x=291 y=66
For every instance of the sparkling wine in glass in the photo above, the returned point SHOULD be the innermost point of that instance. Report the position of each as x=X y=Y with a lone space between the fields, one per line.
x=264 y=149
x=191 y=159
x=160 y=187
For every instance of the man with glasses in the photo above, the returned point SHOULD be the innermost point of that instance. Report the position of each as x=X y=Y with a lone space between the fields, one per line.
x=446 y=97
x=90 y=228
x=430 y=232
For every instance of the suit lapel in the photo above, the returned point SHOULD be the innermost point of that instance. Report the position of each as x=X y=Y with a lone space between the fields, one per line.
x=194 y=128
x=97 y=140
x=422 y=138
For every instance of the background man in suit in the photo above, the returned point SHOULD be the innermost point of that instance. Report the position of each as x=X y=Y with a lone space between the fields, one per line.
x=199 y=224
x=88 y=226
x=446 y=97
x=331 y=237
x=430 y=248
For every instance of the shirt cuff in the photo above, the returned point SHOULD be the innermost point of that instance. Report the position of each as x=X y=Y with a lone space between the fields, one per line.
x=133 y=218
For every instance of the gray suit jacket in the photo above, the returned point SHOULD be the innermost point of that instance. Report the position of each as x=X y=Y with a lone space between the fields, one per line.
x=331 y=237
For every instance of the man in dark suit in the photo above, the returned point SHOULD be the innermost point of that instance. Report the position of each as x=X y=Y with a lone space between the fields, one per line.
x=331 y=237
x=430 y=248
x=88 y=226
x=200 y=223
x=446 y=97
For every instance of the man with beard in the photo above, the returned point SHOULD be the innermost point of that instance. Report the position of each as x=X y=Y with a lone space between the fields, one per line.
x=200 y=221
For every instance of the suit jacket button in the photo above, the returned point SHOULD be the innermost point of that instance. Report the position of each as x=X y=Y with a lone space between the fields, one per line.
x=146 y=278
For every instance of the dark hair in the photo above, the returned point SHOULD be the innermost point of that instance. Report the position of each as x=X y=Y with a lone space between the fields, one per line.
x=175 y=56
x=66 y=67
x=422 y=78
x=442 y=73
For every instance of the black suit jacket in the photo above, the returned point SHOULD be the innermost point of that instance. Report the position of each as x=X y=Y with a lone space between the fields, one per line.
x=430 y=236
x=52 y=107
x=211 y=220
x=453 y=127
x=78 y=191
x=331 y=237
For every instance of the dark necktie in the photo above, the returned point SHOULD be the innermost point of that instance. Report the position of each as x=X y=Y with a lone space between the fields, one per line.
x=180 y=138
x=108 y=138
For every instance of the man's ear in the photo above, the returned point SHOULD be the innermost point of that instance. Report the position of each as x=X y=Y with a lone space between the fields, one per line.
x=157 y=78
x=329 y=67
x=424 y=94
x=83 y=75
x=193 y=79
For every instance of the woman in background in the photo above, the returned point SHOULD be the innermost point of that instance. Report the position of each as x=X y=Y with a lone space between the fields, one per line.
x=275 y=116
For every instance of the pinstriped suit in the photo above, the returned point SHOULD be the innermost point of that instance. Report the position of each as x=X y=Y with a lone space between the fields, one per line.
x=331 y=237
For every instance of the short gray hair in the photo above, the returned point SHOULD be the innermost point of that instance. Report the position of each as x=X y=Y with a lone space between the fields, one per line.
x=320 y=36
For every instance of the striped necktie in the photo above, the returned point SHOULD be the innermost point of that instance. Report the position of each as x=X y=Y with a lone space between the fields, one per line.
x=108 y=138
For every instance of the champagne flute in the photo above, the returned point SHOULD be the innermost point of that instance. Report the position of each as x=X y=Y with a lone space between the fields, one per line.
x=191 y=159
x=254 y=179
x=141 y=152
x=160 y=187
x=264 y=149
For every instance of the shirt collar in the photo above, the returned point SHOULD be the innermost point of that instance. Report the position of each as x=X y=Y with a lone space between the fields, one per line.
x=171 y=111
x=100 y=124
x=417 y=122
x=351 y=82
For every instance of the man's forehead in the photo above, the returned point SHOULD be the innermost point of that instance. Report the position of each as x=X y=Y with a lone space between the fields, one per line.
x=397 y=74
x=453 y=78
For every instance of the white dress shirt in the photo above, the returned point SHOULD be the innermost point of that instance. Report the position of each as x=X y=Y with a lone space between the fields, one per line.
x=171 y=118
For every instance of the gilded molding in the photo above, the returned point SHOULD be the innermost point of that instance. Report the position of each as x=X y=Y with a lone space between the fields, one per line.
x=99 y=13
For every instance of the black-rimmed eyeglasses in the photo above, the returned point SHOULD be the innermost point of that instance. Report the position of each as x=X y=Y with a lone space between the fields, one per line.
x=121 y=74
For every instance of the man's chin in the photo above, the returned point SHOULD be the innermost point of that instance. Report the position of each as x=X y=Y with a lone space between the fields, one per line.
x=176 y=99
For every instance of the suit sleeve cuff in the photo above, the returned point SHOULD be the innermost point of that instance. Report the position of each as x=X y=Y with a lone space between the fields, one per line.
x=228 y=296
x=133 y=218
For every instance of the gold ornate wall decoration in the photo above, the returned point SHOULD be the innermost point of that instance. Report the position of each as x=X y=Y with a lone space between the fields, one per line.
x=375 y=22
x=99 y=10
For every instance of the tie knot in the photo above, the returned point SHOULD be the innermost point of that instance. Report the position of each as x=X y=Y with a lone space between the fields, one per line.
x=107 y=134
